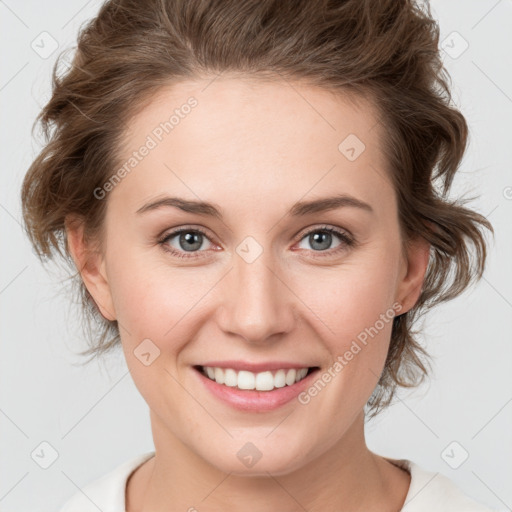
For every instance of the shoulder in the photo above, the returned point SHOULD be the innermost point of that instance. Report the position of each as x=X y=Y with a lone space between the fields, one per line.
x=433 y=491
x=106 y=493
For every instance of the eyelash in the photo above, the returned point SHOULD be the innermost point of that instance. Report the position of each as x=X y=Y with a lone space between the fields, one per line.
x=347 y=241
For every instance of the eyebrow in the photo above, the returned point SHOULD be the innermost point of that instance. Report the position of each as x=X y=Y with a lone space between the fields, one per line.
x=299 y=209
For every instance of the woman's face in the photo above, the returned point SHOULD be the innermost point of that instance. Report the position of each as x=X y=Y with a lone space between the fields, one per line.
x=254 y=282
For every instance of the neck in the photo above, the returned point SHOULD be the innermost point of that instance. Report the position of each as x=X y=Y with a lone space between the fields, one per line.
x=346 y=477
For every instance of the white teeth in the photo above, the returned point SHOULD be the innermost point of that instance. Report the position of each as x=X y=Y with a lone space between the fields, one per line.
x=230 y=378
x=219 y=375
x=263 y=381
x=246 y=380
x=301 y=374
x=290 y=377
x=280 y=379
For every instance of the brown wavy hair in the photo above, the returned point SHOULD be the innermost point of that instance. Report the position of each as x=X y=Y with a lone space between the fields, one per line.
x=385 y=51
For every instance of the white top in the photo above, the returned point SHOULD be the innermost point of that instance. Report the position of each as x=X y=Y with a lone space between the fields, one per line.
x=428 y=491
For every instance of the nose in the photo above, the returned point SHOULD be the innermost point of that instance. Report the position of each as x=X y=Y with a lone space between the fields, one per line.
x=257 y=302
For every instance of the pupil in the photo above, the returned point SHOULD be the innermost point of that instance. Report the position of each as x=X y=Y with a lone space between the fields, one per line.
x=188 y=238
x=318 y=238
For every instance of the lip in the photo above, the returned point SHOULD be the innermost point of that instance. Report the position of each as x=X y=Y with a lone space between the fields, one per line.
x=257 y=367
x=252 y=400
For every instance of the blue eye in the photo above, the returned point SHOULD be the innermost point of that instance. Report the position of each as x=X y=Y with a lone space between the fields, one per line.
x=191 y=240
x=188 y=239
x=321 y=239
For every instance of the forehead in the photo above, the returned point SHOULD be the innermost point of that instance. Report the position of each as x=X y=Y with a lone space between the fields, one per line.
x=223 y=136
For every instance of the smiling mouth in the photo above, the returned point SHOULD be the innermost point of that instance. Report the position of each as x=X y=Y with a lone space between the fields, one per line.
x=261 y=381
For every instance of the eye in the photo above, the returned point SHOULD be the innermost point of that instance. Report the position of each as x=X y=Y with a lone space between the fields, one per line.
x=187 y=240
x=321 y=239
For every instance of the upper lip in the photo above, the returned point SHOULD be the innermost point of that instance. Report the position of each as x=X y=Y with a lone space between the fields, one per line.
x=256 y=367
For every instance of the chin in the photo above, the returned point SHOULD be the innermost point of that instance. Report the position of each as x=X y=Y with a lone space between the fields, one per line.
x=258 y=459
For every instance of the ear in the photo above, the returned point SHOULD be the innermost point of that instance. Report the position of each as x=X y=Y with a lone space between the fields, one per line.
x=91 y=265
x=413 y=272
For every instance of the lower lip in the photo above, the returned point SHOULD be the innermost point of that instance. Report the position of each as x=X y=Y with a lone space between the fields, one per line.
x=252 y=400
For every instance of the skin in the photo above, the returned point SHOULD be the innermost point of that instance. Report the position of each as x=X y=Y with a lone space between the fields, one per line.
x=254 y=149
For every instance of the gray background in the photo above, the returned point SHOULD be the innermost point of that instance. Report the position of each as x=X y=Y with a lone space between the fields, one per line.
x=94 y=417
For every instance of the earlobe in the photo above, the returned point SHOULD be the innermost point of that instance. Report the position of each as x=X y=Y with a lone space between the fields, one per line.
x=416 y=266
x=91 y=266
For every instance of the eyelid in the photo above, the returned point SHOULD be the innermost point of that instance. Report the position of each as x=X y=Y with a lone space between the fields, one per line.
x=163 y=239
x=176 y=231
x=346 y=238
x=323 y=227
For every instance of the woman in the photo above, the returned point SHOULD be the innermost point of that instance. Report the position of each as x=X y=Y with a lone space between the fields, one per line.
x=254 y=194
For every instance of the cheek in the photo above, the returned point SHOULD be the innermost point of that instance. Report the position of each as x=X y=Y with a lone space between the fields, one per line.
x=149 y=297
x=354 y=312
x=151 y=307
x=359 y=317
x=159 y=310
x=353 y=297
